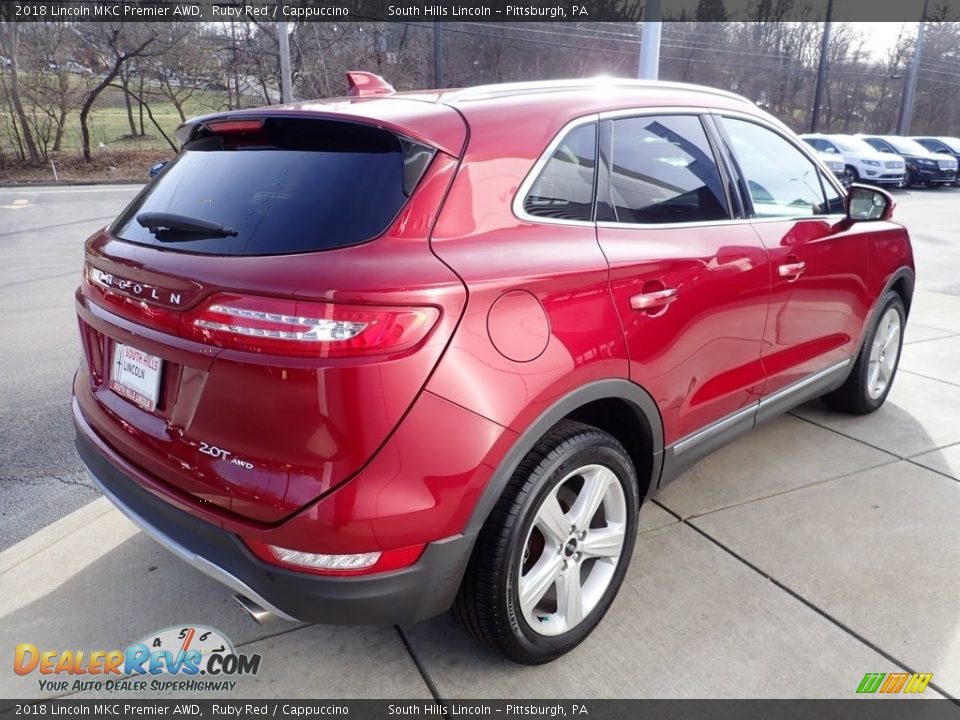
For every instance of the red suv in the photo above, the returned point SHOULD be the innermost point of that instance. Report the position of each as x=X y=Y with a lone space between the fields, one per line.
x=365 y=359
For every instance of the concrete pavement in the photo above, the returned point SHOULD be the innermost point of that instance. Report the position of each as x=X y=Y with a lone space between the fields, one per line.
x=790 y=563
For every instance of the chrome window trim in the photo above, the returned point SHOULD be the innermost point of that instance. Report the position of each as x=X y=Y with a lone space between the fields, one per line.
x=806 y=150
x=521 y=195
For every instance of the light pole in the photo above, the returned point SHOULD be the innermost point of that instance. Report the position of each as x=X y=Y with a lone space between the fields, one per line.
x=821 y=70
x=650 y=41
x=910 y=84
x=286 y=89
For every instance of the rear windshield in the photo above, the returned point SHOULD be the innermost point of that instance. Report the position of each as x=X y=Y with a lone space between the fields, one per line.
x=293 y=185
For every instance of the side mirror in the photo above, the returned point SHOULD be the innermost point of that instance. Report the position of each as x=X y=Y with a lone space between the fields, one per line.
x=866 y=203
x=157 y=167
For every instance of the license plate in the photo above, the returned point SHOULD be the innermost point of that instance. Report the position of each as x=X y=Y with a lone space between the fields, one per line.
x=135 y=375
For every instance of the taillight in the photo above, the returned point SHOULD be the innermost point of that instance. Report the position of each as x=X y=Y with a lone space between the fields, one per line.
x=366 y=563
x=277 y=325
x=307 y=329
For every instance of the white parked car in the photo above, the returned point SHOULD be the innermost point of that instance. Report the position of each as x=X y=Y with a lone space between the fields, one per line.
x=862 y=162
x=836 y=164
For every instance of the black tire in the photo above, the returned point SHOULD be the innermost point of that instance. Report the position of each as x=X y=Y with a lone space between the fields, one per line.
x=908 y=178
x=852 y=174
x=488 y=602
x=854 y=395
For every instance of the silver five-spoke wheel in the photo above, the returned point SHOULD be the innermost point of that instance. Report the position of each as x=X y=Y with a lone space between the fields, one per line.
x=572 y=550
x=882 y=361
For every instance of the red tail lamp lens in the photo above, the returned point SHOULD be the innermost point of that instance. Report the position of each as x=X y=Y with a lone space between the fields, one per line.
x=307 y=329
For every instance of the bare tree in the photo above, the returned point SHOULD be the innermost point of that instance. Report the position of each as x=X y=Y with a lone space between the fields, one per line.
x=11 y=44
x=116 y=44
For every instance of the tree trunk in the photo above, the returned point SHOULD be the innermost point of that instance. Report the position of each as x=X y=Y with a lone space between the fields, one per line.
x=27 y=133
x=95 y=93
x=88 y=104
x=144 y=105
x=125 y=82
x=140 y=104
x=61 y=124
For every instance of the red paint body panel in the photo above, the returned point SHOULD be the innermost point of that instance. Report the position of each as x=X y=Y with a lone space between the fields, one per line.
x=699 y=357
x=814 y=320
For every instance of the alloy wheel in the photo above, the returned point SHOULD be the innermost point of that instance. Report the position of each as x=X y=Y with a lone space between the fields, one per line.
x=572 y=550
x=884 y=353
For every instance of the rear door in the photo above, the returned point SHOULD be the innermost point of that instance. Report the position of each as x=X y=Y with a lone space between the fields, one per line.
x=689 y=278
x=818 y=301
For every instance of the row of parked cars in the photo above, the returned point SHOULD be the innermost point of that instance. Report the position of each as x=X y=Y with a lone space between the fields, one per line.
x=890 y=159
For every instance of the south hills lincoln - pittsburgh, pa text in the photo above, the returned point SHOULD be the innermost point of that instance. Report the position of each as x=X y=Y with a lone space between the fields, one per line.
x=510 y=11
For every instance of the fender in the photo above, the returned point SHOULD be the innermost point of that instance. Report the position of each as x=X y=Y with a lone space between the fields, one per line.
x=903 y=273
x=598 y=390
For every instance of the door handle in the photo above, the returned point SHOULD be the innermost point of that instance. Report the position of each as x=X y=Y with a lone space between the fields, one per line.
x=653 y=300
x=792 y=270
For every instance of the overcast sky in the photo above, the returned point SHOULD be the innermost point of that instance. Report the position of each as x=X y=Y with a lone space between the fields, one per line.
x=882 y=36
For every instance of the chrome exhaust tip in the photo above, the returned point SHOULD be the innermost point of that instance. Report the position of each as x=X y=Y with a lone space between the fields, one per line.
x=253 y=610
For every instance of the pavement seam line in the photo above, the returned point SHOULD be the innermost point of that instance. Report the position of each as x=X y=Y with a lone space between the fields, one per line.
x=849 y=437
x=933 y=470
x=421 y=668
x=817 y=483
x=819 y=611
x=927 y=377
x=948 y=336
x=938 y=448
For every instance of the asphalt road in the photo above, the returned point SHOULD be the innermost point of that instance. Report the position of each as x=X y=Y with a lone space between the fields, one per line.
x=41 y=251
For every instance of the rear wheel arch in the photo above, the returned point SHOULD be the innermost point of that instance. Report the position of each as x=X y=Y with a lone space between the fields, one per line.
x=617 y=406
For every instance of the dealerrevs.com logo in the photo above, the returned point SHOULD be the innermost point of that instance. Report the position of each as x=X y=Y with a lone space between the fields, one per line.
x=179 y=659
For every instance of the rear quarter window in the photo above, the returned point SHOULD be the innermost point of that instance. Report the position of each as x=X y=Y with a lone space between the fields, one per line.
x=295 y=185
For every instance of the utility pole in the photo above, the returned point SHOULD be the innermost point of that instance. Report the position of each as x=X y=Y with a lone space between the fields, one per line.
x=650 y=41
x=910 y=83
x=822 y=70
x=286 y=90
x=437 y=55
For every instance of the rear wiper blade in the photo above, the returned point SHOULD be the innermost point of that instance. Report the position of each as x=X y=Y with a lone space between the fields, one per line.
x=160 y=223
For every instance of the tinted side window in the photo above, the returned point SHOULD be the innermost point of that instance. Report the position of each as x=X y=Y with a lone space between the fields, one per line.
x=781 y=181
x=934 y=146
x=564 y=188
x=663 y=171
x=835 y=204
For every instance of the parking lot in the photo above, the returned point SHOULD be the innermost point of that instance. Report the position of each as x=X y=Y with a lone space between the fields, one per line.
x=789 y=564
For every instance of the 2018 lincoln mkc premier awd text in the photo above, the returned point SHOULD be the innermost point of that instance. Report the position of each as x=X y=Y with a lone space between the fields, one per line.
x=367 y=359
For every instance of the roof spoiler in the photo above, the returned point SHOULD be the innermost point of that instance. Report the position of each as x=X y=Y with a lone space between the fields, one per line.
x=361 y=84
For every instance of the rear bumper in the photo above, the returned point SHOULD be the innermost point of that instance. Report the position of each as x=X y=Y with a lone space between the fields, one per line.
x=420 y=591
